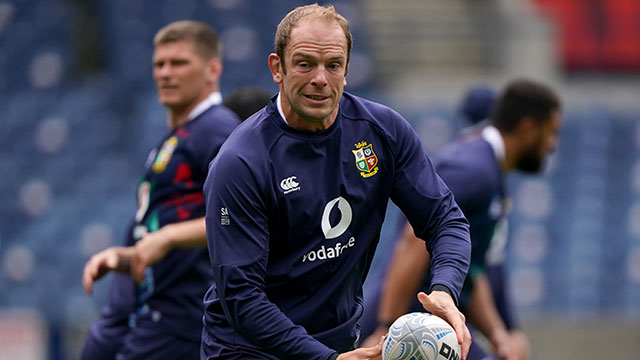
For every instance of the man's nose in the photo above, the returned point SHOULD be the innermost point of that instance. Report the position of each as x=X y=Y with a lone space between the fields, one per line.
x=319 y=77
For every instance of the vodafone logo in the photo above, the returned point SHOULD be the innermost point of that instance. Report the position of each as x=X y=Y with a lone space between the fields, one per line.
x=345 y=218
x=331 y=232
x=289 y=184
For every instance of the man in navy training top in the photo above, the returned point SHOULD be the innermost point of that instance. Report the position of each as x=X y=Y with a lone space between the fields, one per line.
x=523 y=131
x=295 y=202
x=159 y=316
x=476 y=110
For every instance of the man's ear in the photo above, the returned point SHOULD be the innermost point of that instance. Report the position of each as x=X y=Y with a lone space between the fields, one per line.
x=276 y=68
x=527 y=128
x=525 y=124
x=346 y=71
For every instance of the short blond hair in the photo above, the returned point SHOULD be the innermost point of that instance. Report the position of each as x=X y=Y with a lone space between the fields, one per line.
x=203 y=36
x=292 y=19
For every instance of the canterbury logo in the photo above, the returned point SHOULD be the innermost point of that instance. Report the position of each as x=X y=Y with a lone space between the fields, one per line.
x=290 y=184
x=345 y=218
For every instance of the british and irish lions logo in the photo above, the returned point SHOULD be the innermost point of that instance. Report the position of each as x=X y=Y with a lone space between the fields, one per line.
x=366 y=159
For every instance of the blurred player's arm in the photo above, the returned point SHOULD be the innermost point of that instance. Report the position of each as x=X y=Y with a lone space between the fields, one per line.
x=155 y=245
x=485 y=317
x=115 y=258
x=436 y=218
x=406 y=270
x=151 y=248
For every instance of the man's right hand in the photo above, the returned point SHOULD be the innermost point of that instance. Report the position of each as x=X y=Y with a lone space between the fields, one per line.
x=364 y=353
x=117 y=258
x=374 y=338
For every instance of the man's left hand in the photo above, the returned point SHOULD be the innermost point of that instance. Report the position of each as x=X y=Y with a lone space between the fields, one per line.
x=441 y=304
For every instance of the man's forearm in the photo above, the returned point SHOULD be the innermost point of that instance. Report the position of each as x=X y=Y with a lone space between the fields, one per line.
x=482 y=311
x=190 y=233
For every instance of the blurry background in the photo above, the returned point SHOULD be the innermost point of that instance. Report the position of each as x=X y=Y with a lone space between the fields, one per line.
x=78 y=115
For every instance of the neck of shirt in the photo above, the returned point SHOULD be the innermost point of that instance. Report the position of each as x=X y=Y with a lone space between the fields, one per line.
x=494 y=138
x=215 y=98
x=279 y=105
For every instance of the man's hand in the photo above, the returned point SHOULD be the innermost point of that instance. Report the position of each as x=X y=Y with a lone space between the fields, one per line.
x=364 y=353
x=154 y=246
x=502 y=345
x=116 y=258
x=511 y=345
x=441 y=304
x=374 y=338
x=148 y=251
x=520 y=344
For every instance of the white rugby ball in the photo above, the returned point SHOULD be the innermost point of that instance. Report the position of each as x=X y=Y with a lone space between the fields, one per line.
x=420 y=336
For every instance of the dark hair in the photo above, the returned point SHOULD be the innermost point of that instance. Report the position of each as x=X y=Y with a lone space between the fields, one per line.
x=292 y=19
x=247 y=100
x=202 y=35
x=524 y=98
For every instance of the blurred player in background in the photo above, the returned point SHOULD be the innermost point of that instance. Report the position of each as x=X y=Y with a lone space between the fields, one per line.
x=473 y=111
x=522 y=132
x=295 y=202
x=159 y=316
x=476 y=111
x=246 y=100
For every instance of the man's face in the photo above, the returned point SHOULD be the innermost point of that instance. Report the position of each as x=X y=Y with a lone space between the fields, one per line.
x=183 y=78
x=542 y=142
x=315 y=59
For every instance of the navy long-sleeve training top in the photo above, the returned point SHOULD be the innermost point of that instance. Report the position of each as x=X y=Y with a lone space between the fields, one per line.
x=293 y=220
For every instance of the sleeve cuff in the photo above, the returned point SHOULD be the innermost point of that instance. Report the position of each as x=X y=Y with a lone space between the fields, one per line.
x=333 y=356
x=440 y=287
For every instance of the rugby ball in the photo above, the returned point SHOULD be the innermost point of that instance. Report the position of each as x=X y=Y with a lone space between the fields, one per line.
x=420 y=336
